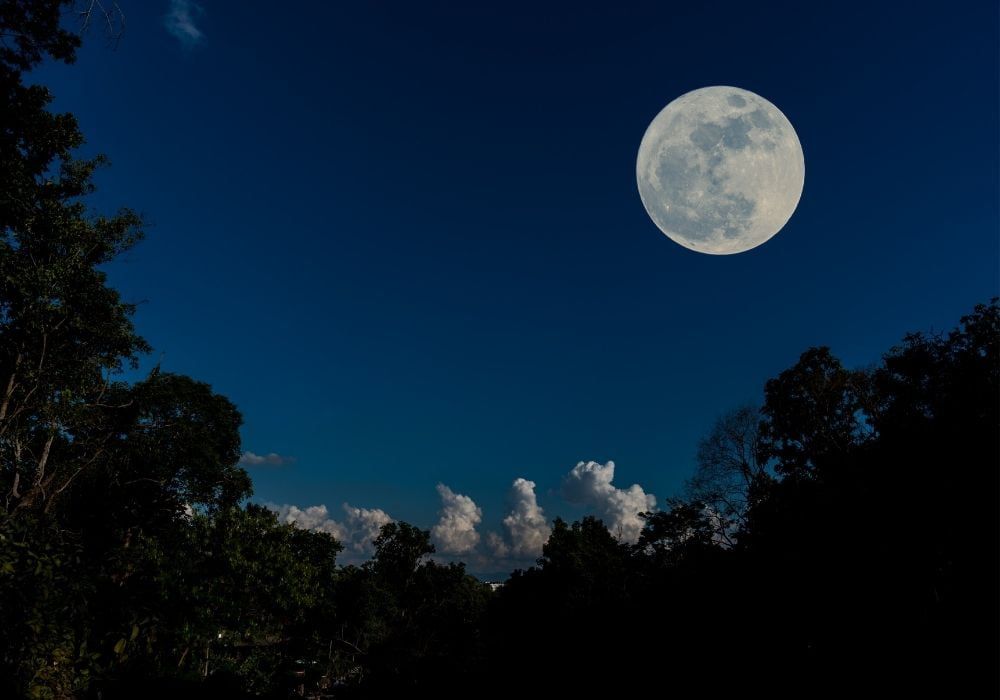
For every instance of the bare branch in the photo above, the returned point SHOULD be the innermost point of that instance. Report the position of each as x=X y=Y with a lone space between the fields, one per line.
x=108 y=15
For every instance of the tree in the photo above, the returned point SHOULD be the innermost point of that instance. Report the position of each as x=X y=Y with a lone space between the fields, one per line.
x=406 y=621
x=585 y=555
x=93 y=470
x=64 y=333
x=228 y=594
x=45 y=589
x=732 y=470
x=686 y=529
x=399 y=549
x=130 y=565
x=813 y=412
x=175 y=445
x=938 y=455
x=948 y=379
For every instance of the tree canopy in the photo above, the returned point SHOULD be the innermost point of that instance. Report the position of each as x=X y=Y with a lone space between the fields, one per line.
x=839 y=539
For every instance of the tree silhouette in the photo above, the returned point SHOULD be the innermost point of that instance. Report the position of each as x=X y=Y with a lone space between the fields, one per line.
x=65 y=333
x=841 y=541
x=814 y=411
x=733 y=470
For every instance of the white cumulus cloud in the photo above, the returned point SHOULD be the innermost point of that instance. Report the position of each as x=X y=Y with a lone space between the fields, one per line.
x=526 y=529
x=455 y=532
x=181 y=22
x=356 y=531
x=589 y=483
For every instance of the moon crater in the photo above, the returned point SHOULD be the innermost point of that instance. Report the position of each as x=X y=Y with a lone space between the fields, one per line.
x=720 y=170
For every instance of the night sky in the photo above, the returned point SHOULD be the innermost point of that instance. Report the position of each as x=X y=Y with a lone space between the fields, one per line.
x=406 y=240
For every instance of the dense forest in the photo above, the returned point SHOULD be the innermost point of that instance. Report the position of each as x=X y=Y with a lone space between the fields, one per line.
x=839 y=539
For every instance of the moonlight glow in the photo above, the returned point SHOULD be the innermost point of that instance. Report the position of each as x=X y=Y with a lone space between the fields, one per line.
x=720 y=170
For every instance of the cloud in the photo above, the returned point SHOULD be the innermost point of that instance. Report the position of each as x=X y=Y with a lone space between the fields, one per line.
x=362 y=526
x=356 y=531
x=526 y=527
x=589 y=483
x=180 y=21
x=523 y=532
x=273 y=459
x=455 y=532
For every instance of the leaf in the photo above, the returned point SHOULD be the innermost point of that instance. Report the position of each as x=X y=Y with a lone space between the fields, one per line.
x=135 y=633
x=120 y=646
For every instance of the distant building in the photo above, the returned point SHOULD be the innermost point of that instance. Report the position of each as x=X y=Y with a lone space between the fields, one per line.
x=495 y=585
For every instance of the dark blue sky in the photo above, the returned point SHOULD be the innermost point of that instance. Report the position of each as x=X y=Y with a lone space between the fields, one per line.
x=406 y=239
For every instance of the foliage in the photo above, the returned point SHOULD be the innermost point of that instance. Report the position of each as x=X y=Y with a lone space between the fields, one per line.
x=44 y=613
x=408 y=621
x=841 y=540
x=733 y=470
x=813 y=412
x=860 y=549
x=65 y=333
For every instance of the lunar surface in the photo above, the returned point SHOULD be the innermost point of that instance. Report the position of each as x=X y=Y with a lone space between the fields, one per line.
x=720 y=170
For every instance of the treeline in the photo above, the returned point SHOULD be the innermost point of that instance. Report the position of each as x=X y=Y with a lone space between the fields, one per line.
x=840 y=539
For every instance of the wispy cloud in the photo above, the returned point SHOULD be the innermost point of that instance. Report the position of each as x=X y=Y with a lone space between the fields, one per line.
x=271 y=459
x=181 y=22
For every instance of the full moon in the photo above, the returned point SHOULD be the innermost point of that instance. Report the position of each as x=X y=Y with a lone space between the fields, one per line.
x=720 y=170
